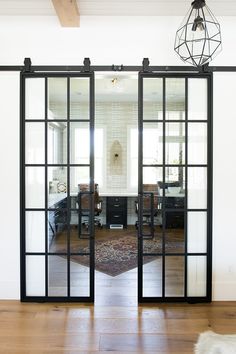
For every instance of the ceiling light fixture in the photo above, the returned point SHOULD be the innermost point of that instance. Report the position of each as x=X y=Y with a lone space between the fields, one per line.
x=198 y=40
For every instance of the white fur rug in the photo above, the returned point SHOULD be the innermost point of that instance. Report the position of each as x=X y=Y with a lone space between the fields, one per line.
x=213 y=343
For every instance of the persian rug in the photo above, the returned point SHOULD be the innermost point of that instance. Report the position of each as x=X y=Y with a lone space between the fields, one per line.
x=213 y=343
x=119 y=255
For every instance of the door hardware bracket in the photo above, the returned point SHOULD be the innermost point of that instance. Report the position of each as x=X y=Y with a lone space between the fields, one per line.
x=86 y=65
x=27 y=65
x=117 y=67
x=146 y=65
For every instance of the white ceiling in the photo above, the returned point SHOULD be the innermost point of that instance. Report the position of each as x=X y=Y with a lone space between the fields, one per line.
x=115 y=7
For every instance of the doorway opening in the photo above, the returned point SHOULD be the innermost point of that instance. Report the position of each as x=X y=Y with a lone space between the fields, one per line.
x=137 y=148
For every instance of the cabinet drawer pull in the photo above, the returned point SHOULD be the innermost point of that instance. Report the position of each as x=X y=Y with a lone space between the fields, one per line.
x=116 y=205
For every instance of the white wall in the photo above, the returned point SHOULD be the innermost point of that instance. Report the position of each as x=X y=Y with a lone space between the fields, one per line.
x=109 y=40
x=9 y=181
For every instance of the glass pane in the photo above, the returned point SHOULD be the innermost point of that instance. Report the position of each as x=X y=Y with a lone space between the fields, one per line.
x=80 y=143
x=79 y=238
x=197 y=99
x=34 y=143
x=174 y=232
x=57 y=187
x=57 y=275
x=175 y=143
x=152 y=276
x=197 y=188
x=35 y=98
x=80 y=275
x=197 y=143
x=197 y=232
x=57 y=229
x=35 y=187
x=35 y=276
x=57 y=143
x=35 y=231
x=57 y=98
x=152 y=245
x=78 y=175
x=152 y=143
x=174 y=276
x=175 y=99
x=152 y=98
x=174 y=185
x=79 y=98
x=151 y=208
x=151 y=175
x=197 y=268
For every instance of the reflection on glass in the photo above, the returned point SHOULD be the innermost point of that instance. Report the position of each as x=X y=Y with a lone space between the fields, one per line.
x=174 y=276
x=35 y=187
x=197 y=99
x=35 y=231
x=79 y=98
x=152 y=98
x=80 y=276
x=196 y=277
x=78 y=175
x=34 y=143
x=174 y=230
x=175 y=143
x=197 y=232
x=57 y=228
x=35 y=98
x=57 y=187
x=35 y=275
x=175 y=99
x=57 y=276
x=197 y=143
x=197 y=187
x=57 y=98
x=57 y=143
x=152 y=276
x=175 y=182
x=152 y=143
x=152 y=174
x=80 y=143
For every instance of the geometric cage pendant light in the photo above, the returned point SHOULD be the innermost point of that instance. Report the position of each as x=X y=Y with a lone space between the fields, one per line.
x=198 y=39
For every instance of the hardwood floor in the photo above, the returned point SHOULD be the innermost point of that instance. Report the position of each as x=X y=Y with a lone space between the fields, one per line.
x=29 y=328
x=115 y=323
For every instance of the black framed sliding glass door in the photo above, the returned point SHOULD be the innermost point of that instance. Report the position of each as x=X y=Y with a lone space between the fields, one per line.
x=175 y=178
x=57 y=154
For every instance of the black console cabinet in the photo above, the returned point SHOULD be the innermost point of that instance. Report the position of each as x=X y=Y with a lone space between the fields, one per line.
x=116 y=211
x=174 y=219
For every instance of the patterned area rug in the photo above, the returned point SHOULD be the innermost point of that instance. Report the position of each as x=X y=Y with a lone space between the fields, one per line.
x=119 y=255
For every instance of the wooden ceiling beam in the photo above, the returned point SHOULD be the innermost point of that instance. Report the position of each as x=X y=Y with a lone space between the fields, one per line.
x=68 y=13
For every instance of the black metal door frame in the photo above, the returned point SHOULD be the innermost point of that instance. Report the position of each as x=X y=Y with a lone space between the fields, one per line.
x=208 y=254
x=27 y=74
x=28 y=71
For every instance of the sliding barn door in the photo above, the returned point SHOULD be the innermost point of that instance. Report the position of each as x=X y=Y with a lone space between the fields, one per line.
x=175 y=187
x=57 y=154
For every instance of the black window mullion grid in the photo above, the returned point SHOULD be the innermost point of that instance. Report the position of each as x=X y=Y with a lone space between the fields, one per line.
x=68 y=212
x=186 y=193
x=46 y=186
x=164 y=181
